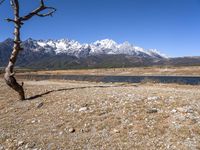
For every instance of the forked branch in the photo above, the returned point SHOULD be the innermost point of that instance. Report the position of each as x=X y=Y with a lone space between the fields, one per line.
x=38 y=12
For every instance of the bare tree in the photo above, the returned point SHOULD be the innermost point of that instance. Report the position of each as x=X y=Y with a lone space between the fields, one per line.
x=18 y=22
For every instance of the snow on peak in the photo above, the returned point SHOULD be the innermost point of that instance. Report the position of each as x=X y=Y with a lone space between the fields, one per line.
x=106 y=43
x=156 y=52
x=106 y=46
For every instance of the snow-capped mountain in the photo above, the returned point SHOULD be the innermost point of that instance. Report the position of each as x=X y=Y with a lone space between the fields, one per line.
x=65 y=53
x=74 y=48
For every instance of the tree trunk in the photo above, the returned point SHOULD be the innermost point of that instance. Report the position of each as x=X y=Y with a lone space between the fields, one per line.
x=18 y=21
x=9 y=71
x=12 y=82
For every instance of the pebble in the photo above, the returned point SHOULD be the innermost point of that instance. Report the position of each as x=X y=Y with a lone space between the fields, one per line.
x=20 y=143
x=190 y=110
x=116 y=131
x=33 y=121
x=152 y=110
x=1 y=147
x=83 y=109
x=39 y=105
x=30 y=145
x=71 y=130
x=174 y=111
x=60 y=133
x=152 y=98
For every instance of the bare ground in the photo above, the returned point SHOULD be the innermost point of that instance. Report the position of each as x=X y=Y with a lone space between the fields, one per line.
x=100 y=116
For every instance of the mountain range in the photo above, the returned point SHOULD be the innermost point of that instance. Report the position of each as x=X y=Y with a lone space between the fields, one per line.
x=66 y=54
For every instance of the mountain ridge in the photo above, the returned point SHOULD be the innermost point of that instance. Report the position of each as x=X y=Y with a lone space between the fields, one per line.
x=106 y=46
x=66 y=54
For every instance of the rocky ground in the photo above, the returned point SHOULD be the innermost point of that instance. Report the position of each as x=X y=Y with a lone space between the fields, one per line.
x=100 y=116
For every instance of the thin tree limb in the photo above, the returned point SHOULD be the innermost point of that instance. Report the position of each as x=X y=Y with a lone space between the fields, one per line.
x=12 y=3
x=50 y=13
x=10 y=20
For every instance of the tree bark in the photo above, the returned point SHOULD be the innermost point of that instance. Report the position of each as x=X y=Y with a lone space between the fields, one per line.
x=9 y=71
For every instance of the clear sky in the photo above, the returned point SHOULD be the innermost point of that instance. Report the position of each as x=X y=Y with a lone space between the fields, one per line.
x=171 y=26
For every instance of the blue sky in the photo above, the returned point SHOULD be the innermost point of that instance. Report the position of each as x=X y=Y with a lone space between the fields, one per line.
x=171 y=26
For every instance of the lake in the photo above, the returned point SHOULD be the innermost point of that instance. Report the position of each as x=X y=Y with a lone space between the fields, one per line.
x=192 y=80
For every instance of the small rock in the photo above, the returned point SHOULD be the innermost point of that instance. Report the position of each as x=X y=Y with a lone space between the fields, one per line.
x=39 y=105
x=116 y=131
x=152 y=110
x=30 y=145
x=174 y=111
x=52 y=146
x=71 y=130
x=190 y=110
x=152 y=98
x=33 y=121
x=60 y=133
x=1 y=148
x=20 y=143
x=83 y=109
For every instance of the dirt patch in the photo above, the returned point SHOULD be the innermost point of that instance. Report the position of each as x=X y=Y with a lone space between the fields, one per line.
x=84 y=115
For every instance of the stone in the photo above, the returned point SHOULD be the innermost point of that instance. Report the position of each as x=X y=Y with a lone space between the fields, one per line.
x=52 y=146
x=190 y=110
x=71 y=130
x=60 y=133
x=173 y=111
x=39 y=105
x=152 y=110
x=2 y=148
x=20 y=143
x=33 y=121
x=30 y=145
x=116 y=131
x=83 y=109
x=152 y=98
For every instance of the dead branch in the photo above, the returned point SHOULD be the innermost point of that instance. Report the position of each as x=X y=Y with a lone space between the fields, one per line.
x=38 y=12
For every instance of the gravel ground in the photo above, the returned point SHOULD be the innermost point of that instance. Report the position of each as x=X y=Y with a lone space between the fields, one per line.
x=100 y=116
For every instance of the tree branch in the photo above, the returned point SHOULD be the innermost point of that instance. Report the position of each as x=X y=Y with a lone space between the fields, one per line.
x=10 y=20
x=12 y=4
x=37 y=12
x=50 y=13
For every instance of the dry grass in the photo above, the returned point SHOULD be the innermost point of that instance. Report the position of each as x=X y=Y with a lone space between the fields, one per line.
x=186 y=71
x=104 y=116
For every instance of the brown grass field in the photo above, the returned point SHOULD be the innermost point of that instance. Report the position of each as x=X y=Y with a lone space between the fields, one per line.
x=177 y=71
